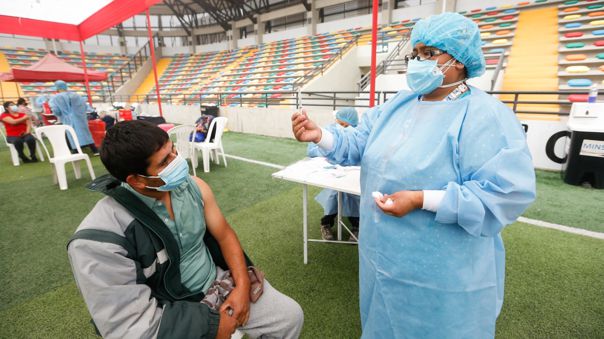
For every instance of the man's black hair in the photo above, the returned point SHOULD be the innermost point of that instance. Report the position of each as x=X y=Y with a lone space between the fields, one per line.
x=21 y=101
x=6 y=105
x=128 y=146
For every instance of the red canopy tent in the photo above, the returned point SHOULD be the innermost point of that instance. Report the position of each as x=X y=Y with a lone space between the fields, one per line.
x=51 y=68
x=24 y=18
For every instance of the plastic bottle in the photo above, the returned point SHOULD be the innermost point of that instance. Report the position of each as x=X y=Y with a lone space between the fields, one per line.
x=593 y=93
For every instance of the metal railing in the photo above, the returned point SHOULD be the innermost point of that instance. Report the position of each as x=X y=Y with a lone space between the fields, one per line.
x=526 y=102
x=497 y=69
x=127 y=70
x=392 y=60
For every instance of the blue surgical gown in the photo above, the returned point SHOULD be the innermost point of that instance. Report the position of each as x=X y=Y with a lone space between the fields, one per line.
x=328 y=199
x=426 y=274
x=70 y=108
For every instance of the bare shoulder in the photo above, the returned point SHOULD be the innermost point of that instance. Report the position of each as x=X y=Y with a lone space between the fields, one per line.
x=206 y=191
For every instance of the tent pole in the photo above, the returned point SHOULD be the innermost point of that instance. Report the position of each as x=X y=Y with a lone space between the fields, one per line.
x=18 y=91
x=152 y=47
x=375 y=10
x=83 y=57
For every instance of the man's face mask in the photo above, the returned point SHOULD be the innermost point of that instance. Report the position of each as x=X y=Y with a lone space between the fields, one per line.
x=172 y=175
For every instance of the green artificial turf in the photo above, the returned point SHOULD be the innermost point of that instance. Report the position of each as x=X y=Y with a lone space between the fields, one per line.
x=560 y=203
x=553 y=284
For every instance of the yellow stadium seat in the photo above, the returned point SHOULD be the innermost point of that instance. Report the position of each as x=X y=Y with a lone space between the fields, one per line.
x=571 y=17
x=577 y=69
x=500 y=41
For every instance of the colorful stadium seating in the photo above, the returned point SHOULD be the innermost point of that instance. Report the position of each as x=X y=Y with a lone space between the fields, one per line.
x=104 y=62
x=581 y=48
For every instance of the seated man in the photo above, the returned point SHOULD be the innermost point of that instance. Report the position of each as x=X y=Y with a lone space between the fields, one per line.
x=143 y=260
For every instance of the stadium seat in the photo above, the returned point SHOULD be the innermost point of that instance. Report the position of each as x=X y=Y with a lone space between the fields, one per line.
x=582 y=82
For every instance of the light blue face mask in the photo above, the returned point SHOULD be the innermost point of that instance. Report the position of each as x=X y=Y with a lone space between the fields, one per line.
x=173 y=175
x=425 y=76
x=14 y=108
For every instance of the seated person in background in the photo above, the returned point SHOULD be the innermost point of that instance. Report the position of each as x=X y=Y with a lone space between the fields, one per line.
x=202 y=125
x=345 y=117
x=18 y=131
x=107 y=119
x=155 y=257
x=24 y=108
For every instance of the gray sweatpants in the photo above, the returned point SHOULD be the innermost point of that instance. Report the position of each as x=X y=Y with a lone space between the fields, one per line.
x=274 y=315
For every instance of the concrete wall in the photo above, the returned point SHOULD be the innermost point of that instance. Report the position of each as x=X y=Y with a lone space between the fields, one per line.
x=171 y=51
x=217 y=47
x=175 y=114
x=288 y=34
x=275 y=122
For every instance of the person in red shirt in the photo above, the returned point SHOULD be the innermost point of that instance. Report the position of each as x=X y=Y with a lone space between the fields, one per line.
x=18 y=130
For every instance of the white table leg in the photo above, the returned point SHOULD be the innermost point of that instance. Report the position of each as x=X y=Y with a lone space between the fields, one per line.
x=305 y=221
x=339 y=217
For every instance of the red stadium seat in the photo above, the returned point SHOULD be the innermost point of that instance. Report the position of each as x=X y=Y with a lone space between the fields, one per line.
x=573 y=34
x=578 y=97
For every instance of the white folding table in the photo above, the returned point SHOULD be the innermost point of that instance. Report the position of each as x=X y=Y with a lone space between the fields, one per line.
x=318 y=172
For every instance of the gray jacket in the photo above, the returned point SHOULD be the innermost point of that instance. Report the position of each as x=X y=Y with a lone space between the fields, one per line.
x=126 y=264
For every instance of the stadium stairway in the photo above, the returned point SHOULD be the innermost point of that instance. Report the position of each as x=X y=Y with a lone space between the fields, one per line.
x=149 y=82
x=533 y=63
x=8 y=89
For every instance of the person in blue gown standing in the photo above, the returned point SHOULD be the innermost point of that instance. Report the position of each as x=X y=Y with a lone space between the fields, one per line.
x=455 y=169
x=70 y=108
x=328 y=199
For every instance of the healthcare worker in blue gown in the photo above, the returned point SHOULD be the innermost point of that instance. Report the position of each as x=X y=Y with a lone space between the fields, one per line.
x=70 y=108
x=455 y=163
x=347 y=117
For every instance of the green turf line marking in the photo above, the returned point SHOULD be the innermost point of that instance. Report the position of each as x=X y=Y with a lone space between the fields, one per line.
x=267 y=164
x=562 y=228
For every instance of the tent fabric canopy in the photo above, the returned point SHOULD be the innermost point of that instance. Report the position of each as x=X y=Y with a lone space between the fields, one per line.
x=51 y=68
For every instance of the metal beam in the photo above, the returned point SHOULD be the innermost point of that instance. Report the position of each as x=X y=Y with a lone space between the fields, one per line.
x=185 y=14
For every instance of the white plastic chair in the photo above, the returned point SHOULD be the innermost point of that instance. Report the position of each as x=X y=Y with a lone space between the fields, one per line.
x=56 y=134
x=13 y=151
x=182 y=144
x=207 y=146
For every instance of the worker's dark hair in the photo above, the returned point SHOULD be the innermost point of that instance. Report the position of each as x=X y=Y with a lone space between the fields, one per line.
x=21 y=101
x=7 y=104
x=128 y=146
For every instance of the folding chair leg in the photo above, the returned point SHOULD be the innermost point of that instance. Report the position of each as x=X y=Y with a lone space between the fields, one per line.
x=39 y=152
x=61 y=176
x=90 y=169
x=193 y=166
x=14 y=155
x=223 y=156
x=76 y=169
x=206 y=160
x=55 y=179
x=194 y=158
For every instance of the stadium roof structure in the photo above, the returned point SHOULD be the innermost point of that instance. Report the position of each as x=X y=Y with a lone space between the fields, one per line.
x=224 y=12
x=73 y=20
